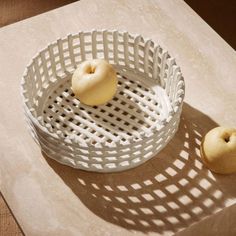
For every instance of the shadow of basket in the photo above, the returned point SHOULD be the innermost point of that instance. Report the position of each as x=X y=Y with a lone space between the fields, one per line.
x=166 y=194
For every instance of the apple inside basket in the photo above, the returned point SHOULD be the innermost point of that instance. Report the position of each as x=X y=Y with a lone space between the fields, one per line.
x=125 y=132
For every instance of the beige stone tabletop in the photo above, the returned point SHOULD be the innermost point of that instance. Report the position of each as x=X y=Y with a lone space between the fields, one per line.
x=171 y=193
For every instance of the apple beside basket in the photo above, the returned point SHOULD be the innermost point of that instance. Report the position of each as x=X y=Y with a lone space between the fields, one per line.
x=125 y=132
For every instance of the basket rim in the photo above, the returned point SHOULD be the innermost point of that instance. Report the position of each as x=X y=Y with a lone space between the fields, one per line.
x=98 y=146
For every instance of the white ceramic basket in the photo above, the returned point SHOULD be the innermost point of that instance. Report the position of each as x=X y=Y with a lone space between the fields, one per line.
x=128 y=130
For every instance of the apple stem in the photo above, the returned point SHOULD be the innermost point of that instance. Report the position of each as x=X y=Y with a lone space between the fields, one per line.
x=227 y=139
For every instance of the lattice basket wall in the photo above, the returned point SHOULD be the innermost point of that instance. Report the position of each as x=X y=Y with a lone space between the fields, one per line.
x=127 y=131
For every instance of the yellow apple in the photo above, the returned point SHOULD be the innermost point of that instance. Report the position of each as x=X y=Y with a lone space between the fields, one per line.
x=94 y=82
x=218 y=150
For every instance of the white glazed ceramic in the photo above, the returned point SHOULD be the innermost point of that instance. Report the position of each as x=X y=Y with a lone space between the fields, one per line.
x=124 y=133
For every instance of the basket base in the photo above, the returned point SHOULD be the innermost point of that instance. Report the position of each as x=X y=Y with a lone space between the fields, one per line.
x=138 y=106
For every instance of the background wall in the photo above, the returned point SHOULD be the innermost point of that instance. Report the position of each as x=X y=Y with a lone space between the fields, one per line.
x=16 y=10
x=220 y=15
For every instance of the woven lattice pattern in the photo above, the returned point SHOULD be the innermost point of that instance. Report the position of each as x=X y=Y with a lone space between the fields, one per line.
x=131 y=128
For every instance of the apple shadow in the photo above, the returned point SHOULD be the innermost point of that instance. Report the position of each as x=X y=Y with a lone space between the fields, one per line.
x=166 y=194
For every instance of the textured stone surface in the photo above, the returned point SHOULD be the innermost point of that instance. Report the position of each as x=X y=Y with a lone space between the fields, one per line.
x=165 y=195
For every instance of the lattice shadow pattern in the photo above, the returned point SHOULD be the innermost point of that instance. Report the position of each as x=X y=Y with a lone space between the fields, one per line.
x=164 y=195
